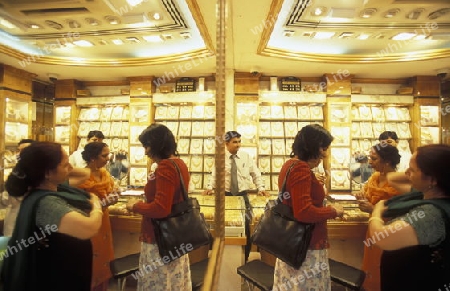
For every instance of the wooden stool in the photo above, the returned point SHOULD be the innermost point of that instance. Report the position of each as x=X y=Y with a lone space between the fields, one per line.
x=122 y=267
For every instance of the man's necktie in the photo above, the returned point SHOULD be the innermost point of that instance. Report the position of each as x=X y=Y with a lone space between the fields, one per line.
x=234 y=187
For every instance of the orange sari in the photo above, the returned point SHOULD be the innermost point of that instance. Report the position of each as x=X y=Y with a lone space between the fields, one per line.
x=372 y=254
x=102 y=243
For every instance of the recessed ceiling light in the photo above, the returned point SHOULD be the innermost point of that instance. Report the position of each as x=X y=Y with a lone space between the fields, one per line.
x=134 y=2
x=33 y=25
x=363 y=36
x=152 y=38
x=404 y=36
x=113 y=20
x=368 y=12
x=318 y=11
x=346 y=35
x=92 y=21
x=391 y=13
x=6 y=23
x=415 y=14
x=103 y=42
x=323 y=34
x=133 y=39
x=438 y=13
x=117 y=41
x=307 y=34
x=288 y=33
x=73 y=23
x=167 y=36
x=155 y=15
x=185 y=35
x=83 y=43
x=420 y=37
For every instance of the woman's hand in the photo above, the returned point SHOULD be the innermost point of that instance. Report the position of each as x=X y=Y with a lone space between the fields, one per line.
x=365 y=206
x=131 y=203
x=339 y=210
x=360 y=195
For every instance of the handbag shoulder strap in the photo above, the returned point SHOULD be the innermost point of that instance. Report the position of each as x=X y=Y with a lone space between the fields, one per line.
x=183 y=188
x=283 y=187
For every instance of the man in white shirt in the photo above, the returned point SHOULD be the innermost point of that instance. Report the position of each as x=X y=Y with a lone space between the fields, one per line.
x=247 y=173
x=391 y=138
x=75 y=159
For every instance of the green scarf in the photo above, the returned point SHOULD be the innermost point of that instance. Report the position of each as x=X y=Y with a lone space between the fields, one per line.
x=18 y=272
x=400 y=205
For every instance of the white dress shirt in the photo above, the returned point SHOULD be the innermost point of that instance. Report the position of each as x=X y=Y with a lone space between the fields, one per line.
x=247 y=173
x=76 y=160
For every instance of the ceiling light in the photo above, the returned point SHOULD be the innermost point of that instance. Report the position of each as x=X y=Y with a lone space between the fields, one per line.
x=391 y=13
x=379 y=36
x=54 y=24
x=318 y=11
x=83 y=43
x=155 y=15
x=134 y=2
x=323 y=34
x=167 y=36
x=33 y=25
x=438 y=13
x=420 y=37
x=113 y=20
x=152 y=38
x=185 y=35
x=6 y=23
x=363 y=36
x=117 y=41
x=288 y=33
x=307 y=34
x=133 y=39
x=415 y=14
x=346 y=35
x=368 y=12
x=73 y=24
x=103 y=42
x=404 y=36
x=92 y=21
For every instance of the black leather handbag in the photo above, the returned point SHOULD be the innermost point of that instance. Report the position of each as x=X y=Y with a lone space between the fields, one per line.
x=183 y=230
x=280 y=234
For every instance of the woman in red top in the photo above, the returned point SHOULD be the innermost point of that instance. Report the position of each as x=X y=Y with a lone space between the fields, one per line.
x=307 y=200
x=161 y=192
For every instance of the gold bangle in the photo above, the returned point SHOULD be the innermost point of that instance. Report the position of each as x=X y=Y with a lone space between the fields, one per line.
x=96 y=211
x=376 y=219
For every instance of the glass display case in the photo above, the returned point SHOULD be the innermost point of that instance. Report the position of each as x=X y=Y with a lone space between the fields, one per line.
x=17 y=118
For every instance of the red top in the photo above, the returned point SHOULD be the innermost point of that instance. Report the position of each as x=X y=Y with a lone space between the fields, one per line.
x=307 y=197
x=162 y=190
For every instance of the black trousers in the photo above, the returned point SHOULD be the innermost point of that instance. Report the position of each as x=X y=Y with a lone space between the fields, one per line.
x=248 y=219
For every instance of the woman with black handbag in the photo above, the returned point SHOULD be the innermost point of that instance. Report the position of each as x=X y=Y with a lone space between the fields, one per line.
x=305 y=194
x=163 y=189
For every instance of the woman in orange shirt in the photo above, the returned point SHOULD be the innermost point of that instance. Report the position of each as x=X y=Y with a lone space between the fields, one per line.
x=384 y=159
x=100 y=183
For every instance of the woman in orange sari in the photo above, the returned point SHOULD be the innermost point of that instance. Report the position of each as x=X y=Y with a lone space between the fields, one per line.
x=100 y=183
x=384 y=159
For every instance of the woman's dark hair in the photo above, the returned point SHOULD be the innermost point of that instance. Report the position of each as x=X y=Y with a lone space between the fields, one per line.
x=92 y=150
x=160 y=140
x=35 y=162
x=309 y=140
x=388 y=134
x=96 y=133
x=388 y=153
x=433 y=160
